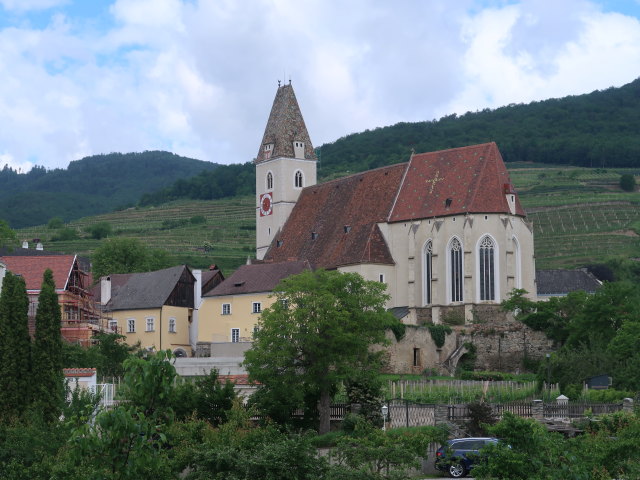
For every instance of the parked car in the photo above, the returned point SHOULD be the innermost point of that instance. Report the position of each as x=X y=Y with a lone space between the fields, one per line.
x=457 y=456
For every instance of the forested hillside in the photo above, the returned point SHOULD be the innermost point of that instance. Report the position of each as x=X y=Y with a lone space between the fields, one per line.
x=90 y=186
x=599 y=129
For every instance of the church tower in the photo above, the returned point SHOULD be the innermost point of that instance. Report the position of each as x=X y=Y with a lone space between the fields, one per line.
x=285 y=164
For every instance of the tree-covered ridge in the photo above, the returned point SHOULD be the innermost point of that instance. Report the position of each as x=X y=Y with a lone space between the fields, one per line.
x=223 y=182
x=92 y=185
x=599 y=129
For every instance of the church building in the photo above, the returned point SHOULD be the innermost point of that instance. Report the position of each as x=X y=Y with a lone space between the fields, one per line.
x=445 y=231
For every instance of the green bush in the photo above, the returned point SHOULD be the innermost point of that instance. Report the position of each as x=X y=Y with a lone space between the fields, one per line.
x=65 y=234
x=439 y=334
x=55 y=223
x=197 y=219
x=627 y=182
x=99 y=230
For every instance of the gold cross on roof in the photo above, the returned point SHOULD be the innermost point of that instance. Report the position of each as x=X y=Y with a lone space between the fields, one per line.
x=434 y=180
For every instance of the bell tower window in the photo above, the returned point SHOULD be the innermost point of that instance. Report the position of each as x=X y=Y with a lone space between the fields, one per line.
x=298 y=179
x=269 y=181
x=298 y=149
x=268 y=150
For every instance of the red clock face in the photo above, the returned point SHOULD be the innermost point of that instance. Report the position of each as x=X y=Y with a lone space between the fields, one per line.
x=265 y=204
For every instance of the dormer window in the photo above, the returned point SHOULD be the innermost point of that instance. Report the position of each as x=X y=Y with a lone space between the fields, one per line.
x=347 y=228
x=268 y=150
x=314 y=235
x=298 y=149
x=447 y=202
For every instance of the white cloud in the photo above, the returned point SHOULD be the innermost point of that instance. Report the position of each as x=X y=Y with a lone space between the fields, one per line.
x=521 y=53
x=197 y=77
x=7 y=160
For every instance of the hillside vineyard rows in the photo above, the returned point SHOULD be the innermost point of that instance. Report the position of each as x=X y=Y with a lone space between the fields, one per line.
x=579 y=216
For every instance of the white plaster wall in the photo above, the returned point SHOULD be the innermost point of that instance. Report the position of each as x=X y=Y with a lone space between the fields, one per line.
x=285 y=195
x=407 y=240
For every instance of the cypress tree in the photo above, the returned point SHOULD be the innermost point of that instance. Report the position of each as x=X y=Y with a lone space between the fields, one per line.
x=15 y=348
x=48 y=378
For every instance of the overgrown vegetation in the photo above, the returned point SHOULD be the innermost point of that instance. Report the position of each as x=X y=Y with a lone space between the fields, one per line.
x=596 y=334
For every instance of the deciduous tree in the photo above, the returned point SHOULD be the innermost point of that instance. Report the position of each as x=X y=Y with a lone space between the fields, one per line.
x=317 y=334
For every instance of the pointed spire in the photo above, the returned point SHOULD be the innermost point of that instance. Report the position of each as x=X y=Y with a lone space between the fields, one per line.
x=284 y=127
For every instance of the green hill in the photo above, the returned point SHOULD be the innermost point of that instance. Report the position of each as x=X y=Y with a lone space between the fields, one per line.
x=599 y=129
x=93 y=185
x=580 y=217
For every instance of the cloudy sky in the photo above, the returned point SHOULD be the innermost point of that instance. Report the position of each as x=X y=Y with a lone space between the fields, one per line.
x=197 y=77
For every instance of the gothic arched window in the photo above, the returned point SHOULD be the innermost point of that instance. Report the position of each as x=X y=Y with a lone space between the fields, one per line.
x=487 y=270
x=269 y=181
x=428 y=272
x=455 y=270
x=298 y=179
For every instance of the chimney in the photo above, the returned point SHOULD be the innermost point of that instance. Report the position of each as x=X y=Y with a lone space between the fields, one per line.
x=105 y=290
x=195 y=316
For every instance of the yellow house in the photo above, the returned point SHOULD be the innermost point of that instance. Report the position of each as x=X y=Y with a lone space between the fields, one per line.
x=153 y=308
x=230 y=312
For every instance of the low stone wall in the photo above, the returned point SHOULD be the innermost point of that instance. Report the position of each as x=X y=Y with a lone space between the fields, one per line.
x=501 y=342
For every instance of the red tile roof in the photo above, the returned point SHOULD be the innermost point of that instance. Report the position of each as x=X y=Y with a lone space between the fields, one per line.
x=237 y=379
x=32 y=268
x=474 y=178
x=335 y=223
x=258 y=277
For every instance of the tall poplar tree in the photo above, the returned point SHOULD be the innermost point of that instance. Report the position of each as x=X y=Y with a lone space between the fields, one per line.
x=15 y=348
x=48 y=378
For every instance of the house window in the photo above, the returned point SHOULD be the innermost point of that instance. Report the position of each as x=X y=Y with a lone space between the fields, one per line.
x=455 y=270
x=131 y=325
x=428 y=272
x=257 y=307
x=172 y=325
x=269 y=181
x=285 y=303
x=486 y=256
x=381 y=277
x=235 y=335
x=150 y=325
x=298 y=181
x=256 y=329
x=113 y=325
x=226 y=309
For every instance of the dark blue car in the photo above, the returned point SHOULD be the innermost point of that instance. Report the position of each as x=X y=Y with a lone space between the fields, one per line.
x=457 y=456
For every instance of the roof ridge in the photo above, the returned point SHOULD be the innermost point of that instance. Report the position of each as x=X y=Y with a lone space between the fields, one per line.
x=466 y=147
x=352 y=175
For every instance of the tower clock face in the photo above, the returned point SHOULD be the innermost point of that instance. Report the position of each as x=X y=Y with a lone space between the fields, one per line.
x=266 y=203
